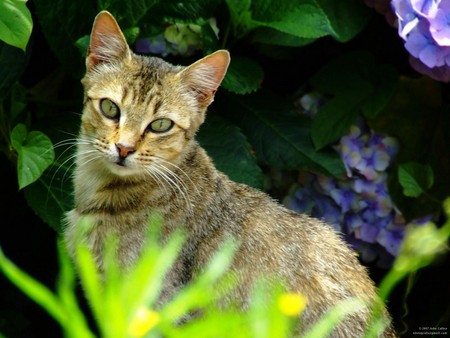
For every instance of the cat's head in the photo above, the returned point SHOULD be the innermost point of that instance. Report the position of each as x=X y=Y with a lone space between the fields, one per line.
x=140 y=108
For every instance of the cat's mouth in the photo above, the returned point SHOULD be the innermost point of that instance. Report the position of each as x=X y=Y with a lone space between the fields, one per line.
x=121 y=162
x=120 y=167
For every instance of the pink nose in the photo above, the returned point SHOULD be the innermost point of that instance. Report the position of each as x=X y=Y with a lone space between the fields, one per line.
x=123 y=150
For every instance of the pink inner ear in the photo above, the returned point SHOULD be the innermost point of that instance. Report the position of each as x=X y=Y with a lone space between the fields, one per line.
x=107 y=41
x=217 y=63
x=206 y=74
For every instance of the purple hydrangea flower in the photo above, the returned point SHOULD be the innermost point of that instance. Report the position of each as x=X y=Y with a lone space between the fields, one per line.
x=422 y=46
x=391 y=238
x=349 y=147
x=307 y=199
x=344 y=198
x=368 y=154
x=358 y=205
x=425 y=27
x=440 y=24
x=154 y=45
x=369 y=232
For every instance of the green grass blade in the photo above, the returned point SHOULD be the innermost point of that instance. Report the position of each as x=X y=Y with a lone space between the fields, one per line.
x=77 y=326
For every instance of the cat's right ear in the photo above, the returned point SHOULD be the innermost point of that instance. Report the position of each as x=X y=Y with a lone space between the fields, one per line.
x=108 y=43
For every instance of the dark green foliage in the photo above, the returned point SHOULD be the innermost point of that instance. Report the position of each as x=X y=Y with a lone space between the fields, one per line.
x=253 y=122
x=231 y=151
x=280 y=136
x=358 y=85
x=279 y=48
x=418 y=116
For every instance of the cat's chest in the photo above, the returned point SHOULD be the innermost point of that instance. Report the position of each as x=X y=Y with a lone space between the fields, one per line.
x=96 y=194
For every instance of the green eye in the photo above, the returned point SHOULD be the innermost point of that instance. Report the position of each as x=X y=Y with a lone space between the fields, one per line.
x=109 y=109
x=160 y=125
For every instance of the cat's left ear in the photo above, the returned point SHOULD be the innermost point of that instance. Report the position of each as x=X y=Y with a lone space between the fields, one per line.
x=204 y=76
x=108 y=44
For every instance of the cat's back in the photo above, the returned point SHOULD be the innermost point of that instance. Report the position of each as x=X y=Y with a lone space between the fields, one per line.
x=292 y=238
x=306 y=254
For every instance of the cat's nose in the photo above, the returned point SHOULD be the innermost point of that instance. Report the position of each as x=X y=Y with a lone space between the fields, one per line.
x=124 y=150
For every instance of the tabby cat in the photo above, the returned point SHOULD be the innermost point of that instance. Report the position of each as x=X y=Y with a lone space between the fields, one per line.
x=137 y=154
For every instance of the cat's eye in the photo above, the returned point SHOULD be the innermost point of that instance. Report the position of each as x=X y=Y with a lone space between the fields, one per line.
x=109 y=109
x=160 y=125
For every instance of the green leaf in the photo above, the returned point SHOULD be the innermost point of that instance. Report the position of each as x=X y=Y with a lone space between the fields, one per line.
x=345 y=17
x=209 y=41
x=243 y=76
x=302 y=18
x=384 y=80
x=358 y=85
x=310 y=19
x=230 y=151
x=15 y=23
x=35 y=154
x=240 y=15
x=336 y=116
x=271 y=36
x=50 y=196
x=418 y=118
x=279 y=136
x=186 y=11
x=129 y=12
x=415 y=178
x=344 y=73
x=83 y=44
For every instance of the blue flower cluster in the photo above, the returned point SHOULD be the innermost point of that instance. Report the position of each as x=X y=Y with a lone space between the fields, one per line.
x=358 y=205
x=177 y=39
x=424 y=25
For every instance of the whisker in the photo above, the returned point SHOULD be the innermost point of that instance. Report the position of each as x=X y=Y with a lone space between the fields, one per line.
x=178 y=168
x=70 y=143
x=157 y=179
x=173 y=175
x=172 y=183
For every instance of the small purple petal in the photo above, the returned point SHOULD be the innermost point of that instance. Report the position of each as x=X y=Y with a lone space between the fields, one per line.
x=343 y=198
x=381 y=160
x=440 y=25
x=353 y=221
x=391 y=239
x=417 y=42
x=407 y=17
x=425 y=8
x=154 y=45
x=433 y=55
x=368 y=233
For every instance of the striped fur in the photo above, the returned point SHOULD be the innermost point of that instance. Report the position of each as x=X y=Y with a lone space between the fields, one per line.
x=171 y=174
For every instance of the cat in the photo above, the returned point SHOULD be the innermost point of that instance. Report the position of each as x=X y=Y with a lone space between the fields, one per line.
x=137 y=154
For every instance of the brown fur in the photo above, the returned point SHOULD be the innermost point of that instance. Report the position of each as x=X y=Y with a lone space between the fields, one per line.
x=171 y=174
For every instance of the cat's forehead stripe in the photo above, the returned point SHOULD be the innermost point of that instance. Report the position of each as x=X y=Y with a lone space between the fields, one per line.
x=125 y=93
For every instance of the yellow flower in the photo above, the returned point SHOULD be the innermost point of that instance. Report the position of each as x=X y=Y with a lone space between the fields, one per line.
x=143 y=322
x=291 y=304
